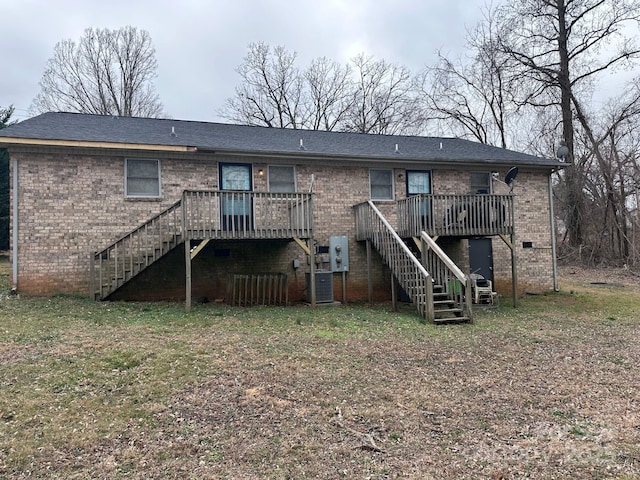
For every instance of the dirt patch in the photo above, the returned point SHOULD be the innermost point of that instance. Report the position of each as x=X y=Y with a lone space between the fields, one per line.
x=498 y=410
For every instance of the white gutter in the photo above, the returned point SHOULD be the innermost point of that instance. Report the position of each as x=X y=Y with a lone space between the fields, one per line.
x=15 y=224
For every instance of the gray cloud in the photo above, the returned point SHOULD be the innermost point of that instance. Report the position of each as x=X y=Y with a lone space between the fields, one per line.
x=199 y=43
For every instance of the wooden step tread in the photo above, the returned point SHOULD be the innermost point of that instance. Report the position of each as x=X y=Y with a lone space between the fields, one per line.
x=452 y=320
x=457 y=313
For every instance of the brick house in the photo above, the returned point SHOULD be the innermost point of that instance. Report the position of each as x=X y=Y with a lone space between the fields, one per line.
x=104 y=206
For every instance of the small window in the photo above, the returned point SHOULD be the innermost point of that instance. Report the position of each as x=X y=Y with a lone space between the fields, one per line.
x=481 y=183
x=282 y=179
x=381 y=184
x=142 y=178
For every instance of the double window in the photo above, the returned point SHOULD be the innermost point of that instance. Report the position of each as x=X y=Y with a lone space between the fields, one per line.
x=142 y=178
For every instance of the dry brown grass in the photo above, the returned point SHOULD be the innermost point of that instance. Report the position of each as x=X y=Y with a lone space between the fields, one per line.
x=549 y=390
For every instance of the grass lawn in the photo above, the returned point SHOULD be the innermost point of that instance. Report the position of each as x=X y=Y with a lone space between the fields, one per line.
x=133 y=390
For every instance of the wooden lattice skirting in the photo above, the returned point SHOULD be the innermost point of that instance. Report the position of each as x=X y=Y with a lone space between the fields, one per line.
x=257 y=289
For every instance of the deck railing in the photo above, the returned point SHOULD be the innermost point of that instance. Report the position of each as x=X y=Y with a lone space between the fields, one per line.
x=247 y=215
x=411 y=275
x=200 y=215
x=455 y=215
x=131 y=254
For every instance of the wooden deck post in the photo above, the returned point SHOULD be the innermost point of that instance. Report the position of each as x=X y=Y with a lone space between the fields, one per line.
x=369 y=279
x=312 y=270
x=394 y=293
x=514 y=272
x=344 y=287
x=514 y=264
x=92 y=276
x=187 y=265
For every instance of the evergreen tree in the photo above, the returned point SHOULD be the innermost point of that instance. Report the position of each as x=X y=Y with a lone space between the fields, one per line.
x=5 y=117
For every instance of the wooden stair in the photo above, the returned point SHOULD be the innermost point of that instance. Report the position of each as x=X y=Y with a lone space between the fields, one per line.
x=439 y=298
x=131 y=254
x=445 y=308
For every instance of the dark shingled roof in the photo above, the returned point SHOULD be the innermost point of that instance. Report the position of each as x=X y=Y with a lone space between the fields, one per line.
x=221 y=137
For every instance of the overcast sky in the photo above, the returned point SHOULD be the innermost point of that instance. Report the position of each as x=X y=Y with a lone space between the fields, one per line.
x=199 y=43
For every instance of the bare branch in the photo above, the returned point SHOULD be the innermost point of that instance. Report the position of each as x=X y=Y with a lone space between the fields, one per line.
x=109 y=72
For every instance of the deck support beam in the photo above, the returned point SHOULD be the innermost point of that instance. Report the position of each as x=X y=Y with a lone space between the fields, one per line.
x=199 y=248
x=394 y=293
x=310 y=251
x=369 y=273
x=510 y=242
x=187 y=259
x=421 y=244
x=302 y=245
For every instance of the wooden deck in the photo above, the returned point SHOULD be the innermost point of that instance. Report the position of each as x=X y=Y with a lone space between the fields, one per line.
x=455 y=215
x=219 y=215
x=200 y=215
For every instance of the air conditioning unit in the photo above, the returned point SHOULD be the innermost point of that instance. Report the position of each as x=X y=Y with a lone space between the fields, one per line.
x=324 y=286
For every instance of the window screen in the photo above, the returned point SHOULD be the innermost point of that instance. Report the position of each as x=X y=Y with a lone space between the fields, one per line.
x=381 y=183
x=481 y=182
x=282 y=179
x=142 y=178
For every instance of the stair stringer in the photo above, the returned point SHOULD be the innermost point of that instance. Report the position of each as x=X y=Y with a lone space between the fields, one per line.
x=405 y=267
x=133 y=253
x=451 y=286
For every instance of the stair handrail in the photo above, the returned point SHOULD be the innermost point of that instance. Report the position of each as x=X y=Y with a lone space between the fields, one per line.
x=457 y=272
x=105 y=252
x=140 y=227
x=425 y=306
x=444 y=257
x=391 y=231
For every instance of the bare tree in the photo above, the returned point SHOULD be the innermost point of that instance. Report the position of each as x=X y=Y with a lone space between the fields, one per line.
x=108 y=72
x=5 y=116
x=271 y=90
x=610 y=167
x=544 y=59
x=473 y=96
x=385 y=99
x=369 y=96
x=561 y=46
x=330 y=94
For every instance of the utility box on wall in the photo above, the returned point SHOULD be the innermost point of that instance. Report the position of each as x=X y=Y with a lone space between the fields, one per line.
x=339 y=253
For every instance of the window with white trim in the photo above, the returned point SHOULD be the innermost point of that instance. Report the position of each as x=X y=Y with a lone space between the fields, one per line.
x=142 y=178
x=282 y=178
x=381 y=184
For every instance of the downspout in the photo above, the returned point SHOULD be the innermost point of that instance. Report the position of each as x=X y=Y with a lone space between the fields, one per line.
x=15 y=225
x=553 y=236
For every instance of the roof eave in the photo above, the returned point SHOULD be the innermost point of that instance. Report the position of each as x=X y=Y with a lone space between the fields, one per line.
x=398 y=158
x=395 y=158
x=18 y=141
